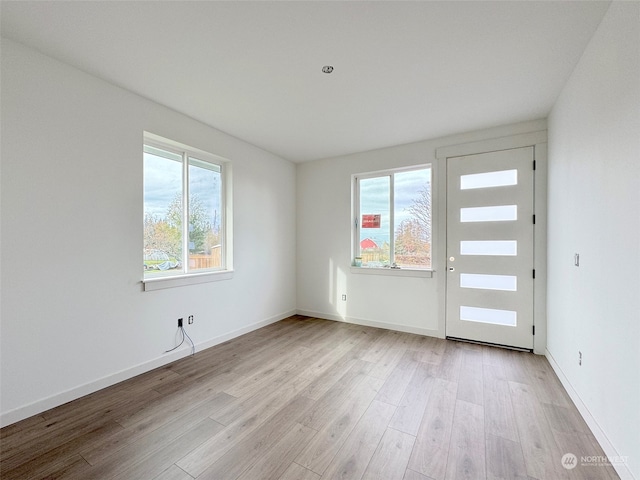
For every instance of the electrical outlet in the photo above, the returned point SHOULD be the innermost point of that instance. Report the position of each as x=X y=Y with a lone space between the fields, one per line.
x=179 y=322
x=190 y=319
x=344 y=298
x=579 y=358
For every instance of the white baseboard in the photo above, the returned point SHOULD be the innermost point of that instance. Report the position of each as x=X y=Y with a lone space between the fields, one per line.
x=621 y=469
x=26 y=411
x=241 y=331
x=370 y=323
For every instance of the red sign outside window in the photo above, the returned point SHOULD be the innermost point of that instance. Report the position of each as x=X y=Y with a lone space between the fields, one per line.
x=371 y=221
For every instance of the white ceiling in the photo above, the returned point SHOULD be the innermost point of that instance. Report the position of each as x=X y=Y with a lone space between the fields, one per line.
x=404 y=71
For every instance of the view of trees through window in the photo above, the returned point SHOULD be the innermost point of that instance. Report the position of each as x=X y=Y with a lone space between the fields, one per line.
x=165 y=235
x=395 y=219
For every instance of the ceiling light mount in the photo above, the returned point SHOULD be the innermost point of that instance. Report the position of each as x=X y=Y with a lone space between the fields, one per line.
x=327 y=69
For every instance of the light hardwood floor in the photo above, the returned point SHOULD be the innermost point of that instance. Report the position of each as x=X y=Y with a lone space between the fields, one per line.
x=309 y=399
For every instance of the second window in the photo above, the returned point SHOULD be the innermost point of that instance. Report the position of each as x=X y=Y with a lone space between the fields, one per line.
x=183 y=211
x=393 y=219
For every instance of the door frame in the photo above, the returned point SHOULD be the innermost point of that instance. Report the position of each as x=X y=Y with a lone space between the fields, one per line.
x=537 y=140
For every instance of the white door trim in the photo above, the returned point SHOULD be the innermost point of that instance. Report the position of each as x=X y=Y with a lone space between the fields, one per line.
x=493 y=145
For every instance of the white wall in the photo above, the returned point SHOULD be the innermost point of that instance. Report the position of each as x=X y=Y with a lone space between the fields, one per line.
x=74 y=316
x=324 y=240
x=594 y=210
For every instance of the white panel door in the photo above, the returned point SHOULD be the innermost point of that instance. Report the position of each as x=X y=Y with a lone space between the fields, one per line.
x=490 y=228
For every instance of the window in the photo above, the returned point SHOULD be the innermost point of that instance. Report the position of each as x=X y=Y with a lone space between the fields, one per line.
x=184 y=210
x=393 y=219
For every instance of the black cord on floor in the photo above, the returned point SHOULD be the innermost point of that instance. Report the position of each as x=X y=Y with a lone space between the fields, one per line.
x=184 y=335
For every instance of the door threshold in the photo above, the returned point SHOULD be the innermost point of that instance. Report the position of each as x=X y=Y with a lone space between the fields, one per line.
x=489 y=344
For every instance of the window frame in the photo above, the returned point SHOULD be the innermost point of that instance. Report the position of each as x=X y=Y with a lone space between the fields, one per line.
x=356 y=227
x=187 y=276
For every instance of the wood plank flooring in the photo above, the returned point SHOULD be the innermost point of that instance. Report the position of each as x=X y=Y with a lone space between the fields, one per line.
x=310 y=399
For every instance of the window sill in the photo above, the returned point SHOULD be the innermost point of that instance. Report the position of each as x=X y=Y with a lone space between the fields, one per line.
x=151 y=284
x=395 y=272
